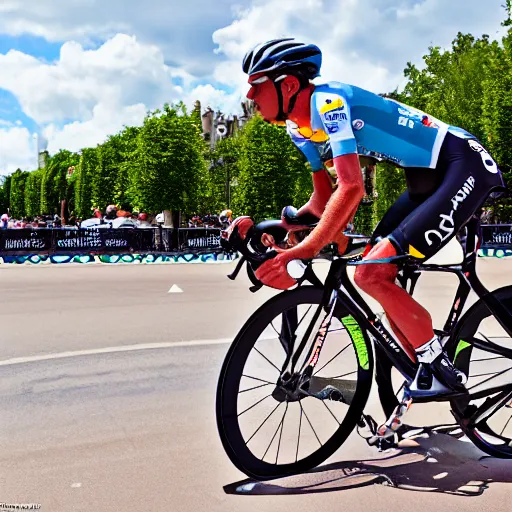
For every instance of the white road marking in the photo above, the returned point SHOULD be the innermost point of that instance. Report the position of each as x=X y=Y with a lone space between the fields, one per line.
x=76 y=485
x=111 y=350
x=175 y=289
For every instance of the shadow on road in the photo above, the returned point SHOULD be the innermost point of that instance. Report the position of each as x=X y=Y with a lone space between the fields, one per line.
x=429 y=462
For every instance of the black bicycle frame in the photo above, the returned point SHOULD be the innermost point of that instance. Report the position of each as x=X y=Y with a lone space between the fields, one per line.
x=409 y=273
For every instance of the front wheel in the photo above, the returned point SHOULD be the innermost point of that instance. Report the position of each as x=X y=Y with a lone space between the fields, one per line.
x=267 y=430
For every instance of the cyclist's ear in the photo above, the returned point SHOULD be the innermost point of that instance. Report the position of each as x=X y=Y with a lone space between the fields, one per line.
x=290 y=85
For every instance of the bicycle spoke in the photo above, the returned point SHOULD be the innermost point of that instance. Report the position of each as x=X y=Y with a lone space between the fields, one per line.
x=275 y=434
x=332 y=414
x=490 y=378
x=304 y=316
x=332 y=359
x=277 y=332
x=264 y=421
x=489 y=359
x=281 y=434
x=255 y=387
x=482 y=374
x=256 y=378
x=344 y=375
x=298 y=438
x=268 y=360
x=489 y=407
x=254 y=405
x=310 y=424
x=506 y=425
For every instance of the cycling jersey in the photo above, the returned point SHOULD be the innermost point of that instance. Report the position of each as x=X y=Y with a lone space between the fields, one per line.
x=349 y=120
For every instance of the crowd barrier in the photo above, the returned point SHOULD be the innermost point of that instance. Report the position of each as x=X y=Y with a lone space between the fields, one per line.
x=19 y=242
x=157 y=245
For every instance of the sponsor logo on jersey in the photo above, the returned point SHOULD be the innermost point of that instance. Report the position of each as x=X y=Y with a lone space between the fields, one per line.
x=489 y=163
x=332 y=104
x=358 y=124
x=335 y=116
x=375 y=154
x=332 y=127
x=447 y=224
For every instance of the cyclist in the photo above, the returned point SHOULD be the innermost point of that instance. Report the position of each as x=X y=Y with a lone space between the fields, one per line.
x=448 y=173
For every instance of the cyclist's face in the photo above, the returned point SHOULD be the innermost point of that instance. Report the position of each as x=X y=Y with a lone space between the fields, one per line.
x=264 y=95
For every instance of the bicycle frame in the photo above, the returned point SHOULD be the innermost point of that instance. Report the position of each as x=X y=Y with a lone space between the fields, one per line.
x=339 y=282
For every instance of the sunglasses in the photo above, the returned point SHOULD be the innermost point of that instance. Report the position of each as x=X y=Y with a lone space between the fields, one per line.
x=265 y=78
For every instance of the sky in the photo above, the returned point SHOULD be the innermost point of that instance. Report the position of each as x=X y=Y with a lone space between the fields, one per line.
x=73 y=72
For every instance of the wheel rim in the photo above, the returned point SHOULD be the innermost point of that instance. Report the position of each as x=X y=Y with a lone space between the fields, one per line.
x=265 y=446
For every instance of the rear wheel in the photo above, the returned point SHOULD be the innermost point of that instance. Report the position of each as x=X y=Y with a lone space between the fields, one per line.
x=486 y=416
x=266 y=430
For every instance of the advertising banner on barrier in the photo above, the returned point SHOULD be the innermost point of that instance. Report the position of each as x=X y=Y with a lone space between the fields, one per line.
x=25 y=240
x=497 y=235
x=198 y=238
x=109 y=241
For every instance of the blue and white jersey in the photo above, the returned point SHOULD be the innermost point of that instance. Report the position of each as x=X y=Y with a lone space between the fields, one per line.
x=349 y=120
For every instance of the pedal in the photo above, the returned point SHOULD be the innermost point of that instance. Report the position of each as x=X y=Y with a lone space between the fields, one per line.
x=383 y=443
x=387 y=435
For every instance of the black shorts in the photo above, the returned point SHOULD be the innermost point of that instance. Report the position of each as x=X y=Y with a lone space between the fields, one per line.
x=439 y=202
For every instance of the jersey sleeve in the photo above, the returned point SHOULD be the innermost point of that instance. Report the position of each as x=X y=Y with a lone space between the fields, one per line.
x=307 y=148
x=332 y=114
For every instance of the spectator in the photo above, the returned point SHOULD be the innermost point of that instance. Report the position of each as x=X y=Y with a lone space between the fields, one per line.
x=4 y=221
x=111 y=212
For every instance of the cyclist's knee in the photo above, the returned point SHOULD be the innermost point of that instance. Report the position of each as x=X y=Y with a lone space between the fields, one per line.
x=370 y=277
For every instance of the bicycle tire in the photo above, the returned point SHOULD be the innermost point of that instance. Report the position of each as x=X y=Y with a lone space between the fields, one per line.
x=231 y=372
x=460 y=349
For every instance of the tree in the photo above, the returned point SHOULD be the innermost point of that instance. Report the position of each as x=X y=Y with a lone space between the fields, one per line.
x=222 y=173
x=451 y=86
x=127 y=146
x=269 y=167
x=168 y=167
x=5 y=182
x=54 y=186
x=17 y=199
x=104 y=176
x=84 y=171
x=195 y=115
x=33 y=193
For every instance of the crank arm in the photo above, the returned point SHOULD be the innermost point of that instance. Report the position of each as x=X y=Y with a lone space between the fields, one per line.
x=339 y=390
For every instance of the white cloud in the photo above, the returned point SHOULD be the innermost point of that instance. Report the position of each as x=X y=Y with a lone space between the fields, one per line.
x=121 y=71
x=364 y=42
x=17 y=149
x=88 y=94
x=181 y=29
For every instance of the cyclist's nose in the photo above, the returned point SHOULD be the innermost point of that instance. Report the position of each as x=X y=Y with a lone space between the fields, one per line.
x=251 y=92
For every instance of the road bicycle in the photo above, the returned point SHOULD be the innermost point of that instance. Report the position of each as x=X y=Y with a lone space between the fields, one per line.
x=283 y=408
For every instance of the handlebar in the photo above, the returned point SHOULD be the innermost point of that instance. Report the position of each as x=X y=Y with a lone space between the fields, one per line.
x=254 y=253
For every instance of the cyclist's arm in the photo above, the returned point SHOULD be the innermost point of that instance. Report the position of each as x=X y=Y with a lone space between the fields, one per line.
x=322 y=182
x=333 y=114
x=339 y=210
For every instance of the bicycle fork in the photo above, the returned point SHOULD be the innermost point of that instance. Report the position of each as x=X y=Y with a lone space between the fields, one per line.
x=303 y=378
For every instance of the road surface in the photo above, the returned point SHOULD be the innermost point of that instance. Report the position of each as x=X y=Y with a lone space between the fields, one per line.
x=107 y=393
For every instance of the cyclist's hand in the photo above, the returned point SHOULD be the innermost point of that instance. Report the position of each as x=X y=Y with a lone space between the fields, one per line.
x=273 y=272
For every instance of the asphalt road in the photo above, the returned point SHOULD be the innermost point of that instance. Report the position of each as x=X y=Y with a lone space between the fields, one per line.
x=107 y=393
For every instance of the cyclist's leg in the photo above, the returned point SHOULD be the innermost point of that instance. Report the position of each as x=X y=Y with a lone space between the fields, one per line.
x=470 y=175
x=369 y=276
